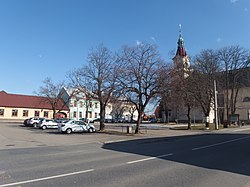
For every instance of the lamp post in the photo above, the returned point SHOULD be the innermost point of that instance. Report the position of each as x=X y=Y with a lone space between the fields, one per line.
x=215 y=107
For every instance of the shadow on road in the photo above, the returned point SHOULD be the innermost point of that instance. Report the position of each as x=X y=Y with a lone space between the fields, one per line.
x=226 y=152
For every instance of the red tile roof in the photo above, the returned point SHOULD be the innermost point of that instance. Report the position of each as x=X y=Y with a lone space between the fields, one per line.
x=26 y=101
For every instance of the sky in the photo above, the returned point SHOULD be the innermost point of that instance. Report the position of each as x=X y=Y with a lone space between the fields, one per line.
x=50 y=38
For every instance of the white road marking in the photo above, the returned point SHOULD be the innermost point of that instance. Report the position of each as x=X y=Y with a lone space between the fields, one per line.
x=221 y=143
x=150 y=158
x=62 y=153
x=47 y=178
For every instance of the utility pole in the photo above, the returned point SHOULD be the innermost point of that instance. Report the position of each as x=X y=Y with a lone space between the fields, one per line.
x=215 y=107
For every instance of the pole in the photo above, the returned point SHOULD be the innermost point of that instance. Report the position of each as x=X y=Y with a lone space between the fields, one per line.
x=194 y=116
x=215 y=107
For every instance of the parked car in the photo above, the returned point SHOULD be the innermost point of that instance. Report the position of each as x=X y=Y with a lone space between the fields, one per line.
x=32 y=122
x=152 y=120
x=96 y=120
x=75 y=126
x=86 y=120
x=25 y=122
x=61 y=120
x=118 y=120
x=47 y=124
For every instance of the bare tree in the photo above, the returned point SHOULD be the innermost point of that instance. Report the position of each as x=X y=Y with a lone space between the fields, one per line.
x=139 y=75
x=205 y=71
x=234 y=60
x=97 y=78
x=182 y=91
x=51 y=93
x=166 y=103
x=118 y=107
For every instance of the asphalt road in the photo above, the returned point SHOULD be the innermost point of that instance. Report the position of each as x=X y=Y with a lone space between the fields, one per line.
x=210 y=159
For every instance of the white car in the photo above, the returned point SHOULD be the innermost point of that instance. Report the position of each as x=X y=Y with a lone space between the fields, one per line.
x=32 y=122
x=75 y=126
x=47 y=124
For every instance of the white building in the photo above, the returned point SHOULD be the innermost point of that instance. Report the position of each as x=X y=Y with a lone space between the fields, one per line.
x=81 y=105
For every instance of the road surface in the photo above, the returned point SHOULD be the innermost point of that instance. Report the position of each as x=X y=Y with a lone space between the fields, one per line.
x=207 y=160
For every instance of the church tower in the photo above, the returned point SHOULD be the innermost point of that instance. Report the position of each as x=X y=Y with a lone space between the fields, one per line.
x=181 y=59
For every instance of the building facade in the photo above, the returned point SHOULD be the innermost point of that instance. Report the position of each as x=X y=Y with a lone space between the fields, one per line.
x=80 y=105
x=242 y=104
x=20 y=107
x=83 y=104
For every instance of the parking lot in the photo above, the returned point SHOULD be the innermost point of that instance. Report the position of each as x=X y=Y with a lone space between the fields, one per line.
x=16 y=135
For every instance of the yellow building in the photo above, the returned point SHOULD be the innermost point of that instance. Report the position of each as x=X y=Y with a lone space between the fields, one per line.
x=17 y=107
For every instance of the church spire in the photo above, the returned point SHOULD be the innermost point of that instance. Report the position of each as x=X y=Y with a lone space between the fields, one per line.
x=180 y=40
x=181 y=59
x=181 y=50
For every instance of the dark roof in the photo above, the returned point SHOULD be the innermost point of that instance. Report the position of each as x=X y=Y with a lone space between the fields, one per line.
x=181 y=52
x=26 y=101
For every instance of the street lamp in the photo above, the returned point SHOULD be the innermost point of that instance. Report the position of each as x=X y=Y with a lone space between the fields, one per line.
x=215 y=107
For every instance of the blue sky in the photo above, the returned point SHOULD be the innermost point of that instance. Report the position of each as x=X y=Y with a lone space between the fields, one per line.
x=48 y=38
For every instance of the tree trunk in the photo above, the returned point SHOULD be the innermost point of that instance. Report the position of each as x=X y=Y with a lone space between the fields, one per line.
x=132 y=118
x=189 y=117
x=235 y=100
x=138 y=123
x=54 y=113
x=207 y=124
x=86 y=112
x=207 y=119
x=102 y=118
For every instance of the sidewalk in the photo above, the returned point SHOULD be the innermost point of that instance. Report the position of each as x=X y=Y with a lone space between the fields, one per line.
x=15 y=135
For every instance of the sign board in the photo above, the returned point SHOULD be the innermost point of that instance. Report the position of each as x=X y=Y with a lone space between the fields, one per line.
x=234 y=117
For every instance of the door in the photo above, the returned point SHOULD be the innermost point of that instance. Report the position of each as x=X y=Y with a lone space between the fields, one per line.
x=77 y=126
x=83 y=126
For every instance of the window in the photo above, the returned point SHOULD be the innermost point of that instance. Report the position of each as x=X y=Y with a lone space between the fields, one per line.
x=80 y=114
x=90 y=105
x=81 y=104
x=246 y=99
x=74 y=115
x=95 y=115
x=75 y=102
x=46 y=114
x=25 y=113
x=90 y=114
x=1 y=112
x=37 y=113
x=14 y=112
x=96 y=105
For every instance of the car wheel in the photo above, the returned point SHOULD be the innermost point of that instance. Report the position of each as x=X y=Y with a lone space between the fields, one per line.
x=91 y=130
x=44 y=127
x=68 y=131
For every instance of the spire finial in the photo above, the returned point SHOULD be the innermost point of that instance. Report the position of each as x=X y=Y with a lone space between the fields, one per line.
x=180 y=40
x=180 y=30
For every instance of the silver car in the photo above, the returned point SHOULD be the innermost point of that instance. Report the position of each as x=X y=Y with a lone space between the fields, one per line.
x=47 y=124
x=75 y=126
